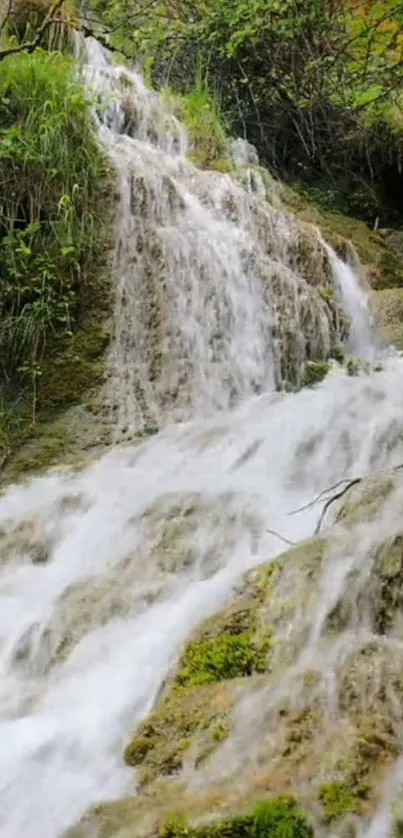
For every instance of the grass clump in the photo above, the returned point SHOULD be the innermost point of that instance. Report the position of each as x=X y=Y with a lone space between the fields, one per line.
x=54 y=202
x=220 y=658
x=314 y=372
x=201 y=115
x=337 y=798
x=279 y=817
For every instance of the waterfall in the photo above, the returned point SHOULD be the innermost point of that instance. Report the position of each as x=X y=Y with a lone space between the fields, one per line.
x=105 y=571
x=219 y=294
x=363 y=341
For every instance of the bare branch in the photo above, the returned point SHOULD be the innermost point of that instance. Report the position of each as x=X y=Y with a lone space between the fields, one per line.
x=331 y=500
x=319 y=497
x=281 y=537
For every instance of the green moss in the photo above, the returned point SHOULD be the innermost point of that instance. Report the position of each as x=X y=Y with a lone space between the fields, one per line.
x=353 y=366
x=220 y=732
x=364 y=501
x=397 y=827
x=47 y=452
x=314 y=372
x=54 y=301
x=326 y=293
x=385 y=588
x=339 y=354
x=279 y=817
x=337 y=798
x=197 y=719
x=377 y=254
x=77 y=368
x=388 y=309
x=219 y=658
x=265 y=578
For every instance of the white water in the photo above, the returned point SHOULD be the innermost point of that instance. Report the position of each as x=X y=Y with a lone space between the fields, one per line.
x=139 y=547
x=216 y=289
x=363 y=341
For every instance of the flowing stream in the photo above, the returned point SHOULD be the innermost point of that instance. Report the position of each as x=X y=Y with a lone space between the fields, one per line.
x=104 y=572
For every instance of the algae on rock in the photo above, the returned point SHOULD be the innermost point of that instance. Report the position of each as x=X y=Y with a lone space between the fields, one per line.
x=325 y=725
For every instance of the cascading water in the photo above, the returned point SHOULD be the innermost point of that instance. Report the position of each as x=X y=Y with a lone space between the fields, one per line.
x=216 y=288
x=106 y=571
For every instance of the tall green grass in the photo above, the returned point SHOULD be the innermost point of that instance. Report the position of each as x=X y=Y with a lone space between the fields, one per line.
x=201 y=114
x=53 y=190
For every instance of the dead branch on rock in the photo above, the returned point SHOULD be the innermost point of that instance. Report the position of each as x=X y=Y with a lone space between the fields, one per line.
x=335 y=497
x=349 y=483
x=281 y=537
x=319 y=497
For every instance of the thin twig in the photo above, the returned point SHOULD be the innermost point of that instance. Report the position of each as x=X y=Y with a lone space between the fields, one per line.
x=319 y=497
x=350 y=483
x=334 y=498
x=281 y=537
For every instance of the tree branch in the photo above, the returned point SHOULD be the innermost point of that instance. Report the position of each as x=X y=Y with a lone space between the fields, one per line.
x=335 y=497
x=281 y=537
x=349 y=485
x=30 y=46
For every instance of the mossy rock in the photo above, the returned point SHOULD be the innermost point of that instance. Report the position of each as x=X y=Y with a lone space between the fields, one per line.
x=185 y=726
x=363 y=501
x=380 y=260
x=70 y=410
x=279 y=817
x=385 y=587
x=388 y=310
x=314 y=373
x=220 y=658
x=275 y=816
x=337 y=798
x=277 y=725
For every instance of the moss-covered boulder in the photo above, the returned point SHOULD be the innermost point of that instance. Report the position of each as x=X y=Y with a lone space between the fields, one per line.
x=388 y=310
x=181 y=733
x=293 y=689
x=379 y=254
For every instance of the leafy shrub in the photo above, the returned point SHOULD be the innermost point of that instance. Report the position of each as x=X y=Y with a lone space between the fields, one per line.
x=279 y=817
x=222 y=657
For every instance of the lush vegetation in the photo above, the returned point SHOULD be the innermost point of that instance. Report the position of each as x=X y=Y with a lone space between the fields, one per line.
x=225 y=656
x=316 y=85
x=337 y=798
x=53 y=199
x=314 y=372
x=196 y=720
x=279 y=817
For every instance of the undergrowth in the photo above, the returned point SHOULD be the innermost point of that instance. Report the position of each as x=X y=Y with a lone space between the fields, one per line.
x=279 y=817
x=208 y=132
x=218 y=658
x=338 y=798
x=54 y=184
x=201 y=114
